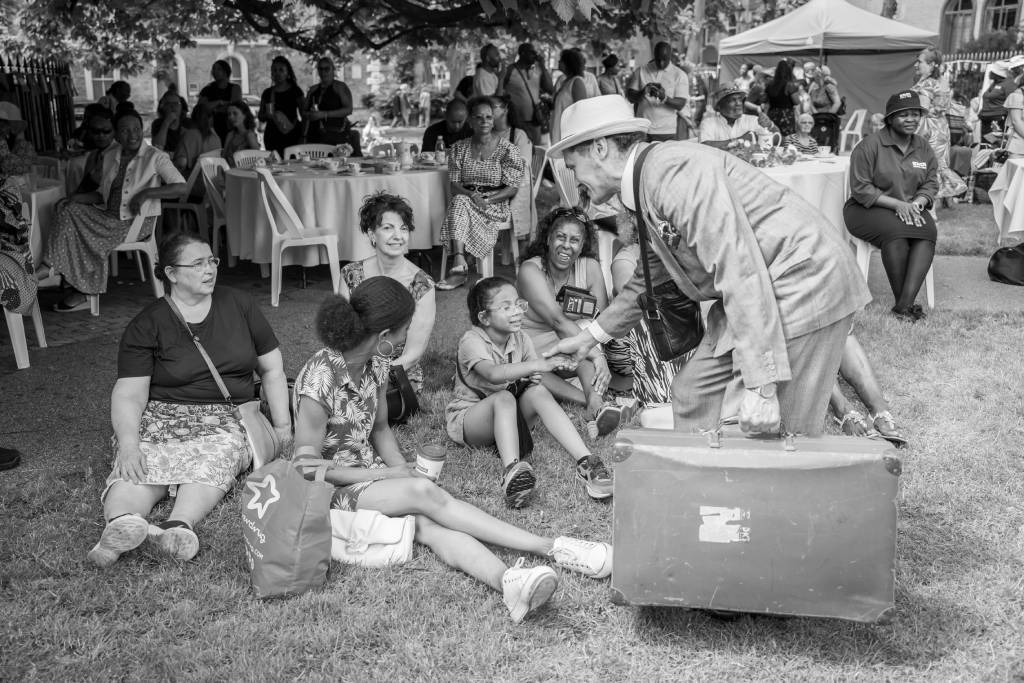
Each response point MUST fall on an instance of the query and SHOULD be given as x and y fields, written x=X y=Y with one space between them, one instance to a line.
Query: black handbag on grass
x=401 y=398
x=673 y=318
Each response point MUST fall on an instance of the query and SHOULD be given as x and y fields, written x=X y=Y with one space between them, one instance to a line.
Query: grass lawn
x=954 y=383
x=967 y=230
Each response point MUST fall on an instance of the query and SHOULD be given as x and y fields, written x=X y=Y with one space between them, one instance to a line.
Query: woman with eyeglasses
x=485 y=171
x=563 y=281
x=173 y=432
x=802 y=139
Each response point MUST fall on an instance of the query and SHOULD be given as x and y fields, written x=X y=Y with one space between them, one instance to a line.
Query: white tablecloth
x=328 y=200
x=1007 y=195
x=825 y=183
x=43 y=198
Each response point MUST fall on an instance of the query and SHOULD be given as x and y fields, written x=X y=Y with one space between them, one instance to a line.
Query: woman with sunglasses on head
x=563 y=282
x=173 y=432
x=281 y=107
x=342 y=417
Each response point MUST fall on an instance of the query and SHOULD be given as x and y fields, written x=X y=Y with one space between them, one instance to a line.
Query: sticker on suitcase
x=722 y=525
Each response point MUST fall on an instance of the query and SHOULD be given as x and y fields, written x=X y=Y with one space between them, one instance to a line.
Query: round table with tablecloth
x=330 y=200
x=1007 y=195
x=824 y=182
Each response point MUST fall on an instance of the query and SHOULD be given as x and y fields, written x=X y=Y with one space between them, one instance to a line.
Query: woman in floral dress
x=936 y=97
x=485 y=171
x=342 y=417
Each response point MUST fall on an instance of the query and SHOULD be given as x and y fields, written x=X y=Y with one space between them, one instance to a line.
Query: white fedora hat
x=596 y=117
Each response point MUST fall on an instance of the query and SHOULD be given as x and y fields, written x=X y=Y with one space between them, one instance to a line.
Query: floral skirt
x=476 y=227
x=82 y=238
x=190 y=444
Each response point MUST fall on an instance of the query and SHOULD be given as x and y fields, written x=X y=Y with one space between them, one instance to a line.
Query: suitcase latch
x=714 y=437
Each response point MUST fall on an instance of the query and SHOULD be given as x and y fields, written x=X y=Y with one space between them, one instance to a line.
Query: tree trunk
x=889 y=8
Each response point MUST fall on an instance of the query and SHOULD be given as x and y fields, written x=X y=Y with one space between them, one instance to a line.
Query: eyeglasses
x=197 y=266
x=509 y=307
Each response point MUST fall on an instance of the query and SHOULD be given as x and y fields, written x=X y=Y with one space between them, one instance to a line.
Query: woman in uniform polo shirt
x=893 y=180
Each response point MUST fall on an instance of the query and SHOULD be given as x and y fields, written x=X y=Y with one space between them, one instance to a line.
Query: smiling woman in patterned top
x=342 y=416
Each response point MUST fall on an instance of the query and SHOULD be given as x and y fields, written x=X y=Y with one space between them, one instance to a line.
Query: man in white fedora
x=782 y=279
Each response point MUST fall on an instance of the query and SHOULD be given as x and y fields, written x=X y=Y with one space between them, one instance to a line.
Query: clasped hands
x=910 y=213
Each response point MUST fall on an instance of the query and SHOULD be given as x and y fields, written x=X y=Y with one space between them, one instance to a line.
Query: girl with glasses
x=498 y=393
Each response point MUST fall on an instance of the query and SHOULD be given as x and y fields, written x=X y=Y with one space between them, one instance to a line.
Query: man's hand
x=135 y=203
x=575 y=347
x=759 y=415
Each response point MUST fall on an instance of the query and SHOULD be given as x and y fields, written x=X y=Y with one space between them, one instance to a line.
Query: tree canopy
x=131 y=33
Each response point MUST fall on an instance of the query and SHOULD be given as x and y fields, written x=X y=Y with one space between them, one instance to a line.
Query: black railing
x=44 y=92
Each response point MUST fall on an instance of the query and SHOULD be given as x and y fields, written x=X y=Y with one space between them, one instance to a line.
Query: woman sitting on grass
x=173 y=432
x=558 y=262
x=497 y=367
x=342 y=416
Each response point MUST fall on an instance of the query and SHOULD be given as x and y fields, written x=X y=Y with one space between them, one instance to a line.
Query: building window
x=957 y=24
x=236 y=72
x=100 y=82
x=1001 y=15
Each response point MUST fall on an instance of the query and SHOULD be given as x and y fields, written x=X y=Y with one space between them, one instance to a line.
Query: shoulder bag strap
x=654 y=242
x=206 y=357
x=458 y=369
x=526 y=84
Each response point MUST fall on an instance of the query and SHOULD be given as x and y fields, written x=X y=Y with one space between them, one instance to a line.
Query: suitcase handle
x=714 y=437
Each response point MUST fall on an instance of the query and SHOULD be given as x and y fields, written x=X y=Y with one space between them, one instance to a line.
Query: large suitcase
x=796 y=526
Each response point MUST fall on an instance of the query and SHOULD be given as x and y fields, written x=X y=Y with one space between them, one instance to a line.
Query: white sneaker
x=586 y=557
x=527 y=589
x=119 y=536
x=180 y=542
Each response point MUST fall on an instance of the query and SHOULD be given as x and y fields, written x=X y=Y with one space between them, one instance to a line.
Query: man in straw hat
x=782 y=278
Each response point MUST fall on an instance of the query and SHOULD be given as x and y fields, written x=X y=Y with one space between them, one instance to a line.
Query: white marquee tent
x=871 y=57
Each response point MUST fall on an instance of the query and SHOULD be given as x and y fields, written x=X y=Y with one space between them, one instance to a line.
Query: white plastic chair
x=16 y=321
x=864 y=251
x=251 y=158
x=196 y=209
x=540 y=159
x=315 y=151
x=565 y=180
x=209 y=167
x=150 y=209
x=487 y=262
x=290 y=232
x=854 y=130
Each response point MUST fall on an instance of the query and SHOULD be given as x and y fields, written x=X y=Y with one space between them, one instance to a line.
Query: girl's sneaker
x=595 y=477
x=524 y=590
x=518 y=484
x=586 y=557
x=121 y=534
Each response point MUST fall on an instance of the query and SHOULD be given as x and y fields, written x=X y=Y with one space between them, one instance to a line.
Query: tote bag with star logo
x=286 y=525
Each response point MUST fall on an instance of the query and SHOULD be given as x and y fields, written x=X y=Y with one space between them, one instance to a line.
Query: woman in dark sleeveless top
x=329 y=104
x=280 y=107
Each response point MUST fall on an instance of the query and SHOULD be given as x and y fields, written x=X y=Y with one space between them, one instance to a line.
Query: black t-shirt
x=440 y=130
x=234 y=333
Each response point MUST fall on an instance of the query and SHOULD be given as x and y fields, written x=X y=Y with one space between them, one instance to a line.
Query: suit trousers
x=708 y=390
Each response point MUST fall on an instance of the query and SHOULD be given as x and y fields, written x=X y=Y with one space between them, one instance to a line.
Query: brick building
x=956 y=21
x=250 y=68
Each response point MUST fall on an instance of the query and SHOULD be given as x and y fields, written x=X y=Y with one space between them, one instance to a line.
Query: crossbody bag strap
x=206 y=357
x=644 y=237
x=656 y=244
x=458 y=369
x=526 y=83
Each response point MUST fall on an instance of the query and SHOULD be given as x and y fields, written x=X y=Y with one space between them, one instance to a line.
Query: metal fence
x=44 y=92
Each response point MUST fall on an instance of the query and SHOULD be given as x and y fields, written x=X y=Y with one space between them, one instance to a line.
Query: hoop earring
x=389 y=354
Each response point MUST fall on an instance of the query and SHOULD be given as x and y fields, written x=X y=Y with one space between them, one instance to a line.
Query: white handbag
x=369 y=539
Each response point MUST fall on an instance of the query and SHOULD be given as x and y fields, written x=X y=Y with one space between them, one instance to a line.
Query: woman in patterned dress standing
x=936 y=97
x=485 y=171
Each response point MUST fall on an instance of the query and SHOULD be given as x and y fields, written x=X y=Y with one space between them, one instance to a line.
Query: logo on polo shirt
x=919 y=164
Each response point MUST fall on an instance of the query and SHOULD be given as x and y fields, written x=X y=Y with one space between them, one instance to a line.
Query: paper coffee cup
x=429 y=461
